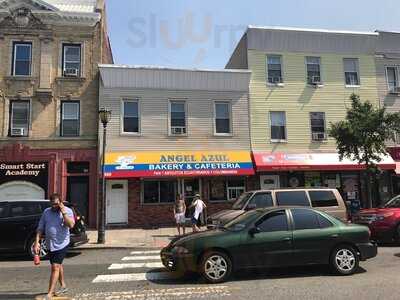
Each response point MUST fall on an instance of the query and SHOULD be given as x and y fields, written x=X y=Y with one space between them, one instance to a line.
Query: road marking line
x=145 y=252
x=136 y=265
x=145 y=257
x=207 y=292
x=134 y=277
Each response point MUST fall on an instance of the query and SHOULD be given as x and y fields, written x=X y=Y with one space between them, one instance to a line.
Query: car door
x=313 y=236
x=271 y=245
x=4 y=227
x=21 y=223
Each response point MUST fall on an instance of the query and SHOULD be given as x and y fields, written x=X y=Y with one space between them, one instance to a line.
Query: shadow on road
x=254 y=274
x=20 y=296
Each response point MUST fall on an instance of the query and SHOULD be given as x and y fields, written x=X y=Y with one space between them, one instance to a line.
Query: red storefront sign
x=312 y=161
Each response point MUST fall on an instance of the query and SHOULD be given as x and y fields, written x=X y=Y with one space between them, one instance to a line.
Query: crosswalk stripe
x=150 y=257
x=145 y=252
x=136 y=265
x=134 y=277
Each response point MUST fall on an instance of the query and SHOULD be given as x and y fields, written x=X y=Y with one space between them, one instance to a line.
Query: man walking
x=54 y=225
x=199 y=206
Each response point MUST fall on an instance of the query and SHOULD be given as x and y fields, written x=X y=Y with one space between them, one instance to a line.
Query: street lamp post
x=105 y=117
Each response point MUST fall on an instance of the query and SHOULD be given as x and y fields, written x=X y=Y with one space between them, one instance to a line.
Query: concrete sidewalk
x=132 y=238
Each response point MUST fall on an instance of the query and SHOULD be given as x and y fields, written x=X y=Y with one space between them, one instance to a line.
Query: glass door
x=189 y=187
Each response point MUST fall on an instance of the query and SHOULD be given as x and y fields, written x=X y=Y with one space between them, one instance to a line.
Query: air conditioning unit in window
x=316 y=81
x=178 y=130
x=71 y=72
x=277 y=81
x=18 y=131
x=318 y=136
x=395 y=90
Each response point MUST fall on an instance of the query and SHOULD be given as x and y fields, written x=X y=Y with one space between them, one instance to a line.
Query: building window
x=159 y=191
x=178 y=117
x=78 y=167
x=223 y=189
x=278 y=125
x=22 y=59
x=222 y=117
x=351 y=71
x=274 y=69
x=71 y=60
x=392 y=78
x=130 y=116
x=70 y=119
x=19 y=118
x=313 y=70
x=317 y=120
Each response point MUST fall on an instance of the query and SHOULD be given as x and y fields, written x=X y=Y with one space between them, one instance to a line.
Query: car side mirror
x=251 y=206
x=254 y=231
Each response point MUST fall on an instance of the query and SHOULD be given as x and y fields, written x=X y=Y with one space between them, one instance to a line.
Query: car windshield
x=241 y=201
x=241 y=221
x=394 y=203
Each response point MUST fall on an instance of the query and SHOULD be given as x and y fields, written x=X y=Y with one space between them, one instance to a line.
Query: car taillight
x=369 y=233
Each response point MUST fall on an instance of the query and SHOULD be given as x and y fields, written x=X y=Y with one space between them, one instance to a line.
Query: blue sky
x=203 y=33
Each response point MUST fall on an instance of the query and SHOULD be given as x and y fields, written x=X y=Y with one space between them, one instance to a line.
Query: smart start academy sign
x=160 y=164
x=36 y=172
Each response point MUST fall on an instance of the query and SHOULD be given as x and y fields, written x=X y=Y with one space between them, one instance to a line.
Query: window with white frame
x=70 y=118
x=19 y=118
x=351 y=71
x=22 y=59
x=317 y=120
x=177 y=117
x=222 y=117
x=72 y=60
x=159 y=191
x=313 y=65
x=392 y=74
x=223 y=189
x=274 y=69
x=278 y=125
x=130 y=112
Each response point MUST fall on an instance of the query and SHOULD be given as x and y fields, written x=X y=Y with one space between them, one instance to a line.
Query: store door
x=78 y=194
x=117 y=202
x=190 y=187
x=268 y=182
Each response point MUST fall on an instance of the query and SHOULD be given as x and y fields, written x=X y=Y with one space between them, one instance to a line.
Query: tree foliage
x=362 y=136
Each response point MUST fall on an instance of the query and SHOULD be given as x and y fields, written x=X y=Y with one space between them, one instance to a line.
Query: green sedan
x=275 y=237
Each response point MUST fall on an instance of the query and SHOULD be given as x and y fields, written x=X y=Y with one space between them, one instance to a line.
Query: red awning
x=312 y=161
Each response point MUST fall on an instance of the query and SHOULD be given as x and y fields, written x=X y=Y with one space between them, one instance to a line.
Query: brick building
x=49 y=99
x=173 y=131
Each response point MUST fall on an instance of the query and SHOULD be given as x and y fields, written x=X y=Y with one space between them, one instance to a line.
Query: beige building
x=49 y=51
x=173 y=132
x=387 y=60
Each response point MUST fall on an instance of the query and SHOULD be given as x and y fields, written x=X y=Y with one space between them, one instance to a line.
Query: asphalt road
x=138 y=276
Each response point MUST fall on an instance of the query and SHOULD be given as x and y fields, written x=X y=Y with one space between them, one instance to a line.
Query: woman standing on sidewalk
x=179 y=213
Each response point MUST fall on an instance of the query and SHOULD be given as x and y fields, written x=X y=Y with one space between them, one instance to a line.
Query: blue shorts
x=194 y=221
x=57 y=257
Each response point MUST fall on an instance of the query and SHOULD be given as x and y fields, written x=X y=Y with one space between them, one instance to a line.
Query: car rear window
x=296 y=198
x=20 y=209
x=323 y=198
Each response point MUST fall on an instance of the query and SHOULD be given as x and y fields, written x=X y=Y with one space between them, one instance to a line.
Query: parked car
x=384 y=221
x=272 y=237
x=18 y=223
x=324 y=199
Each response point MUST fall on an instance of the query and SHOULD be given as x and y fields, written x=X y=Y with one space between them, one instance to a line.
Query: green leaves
x=363 y=133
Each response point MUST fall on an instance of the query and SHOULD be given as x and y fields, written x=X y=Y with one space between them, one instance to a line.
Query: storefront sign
x=159 y=164
x=22 y=169
x=312 y=161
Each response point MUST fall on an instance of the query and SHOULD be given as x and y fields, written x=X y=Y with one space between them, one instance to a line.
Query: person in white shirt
x=199 y=206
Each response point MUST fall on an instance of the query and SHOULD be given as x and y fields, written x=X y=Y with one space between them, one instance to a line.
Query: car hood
x=226 y=215
x=198 y=235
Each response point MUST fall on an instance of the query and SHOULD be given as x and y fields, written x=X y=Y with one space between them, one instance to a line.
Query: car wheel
x=43 y=248
x=216 y=267
x=344 y=260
